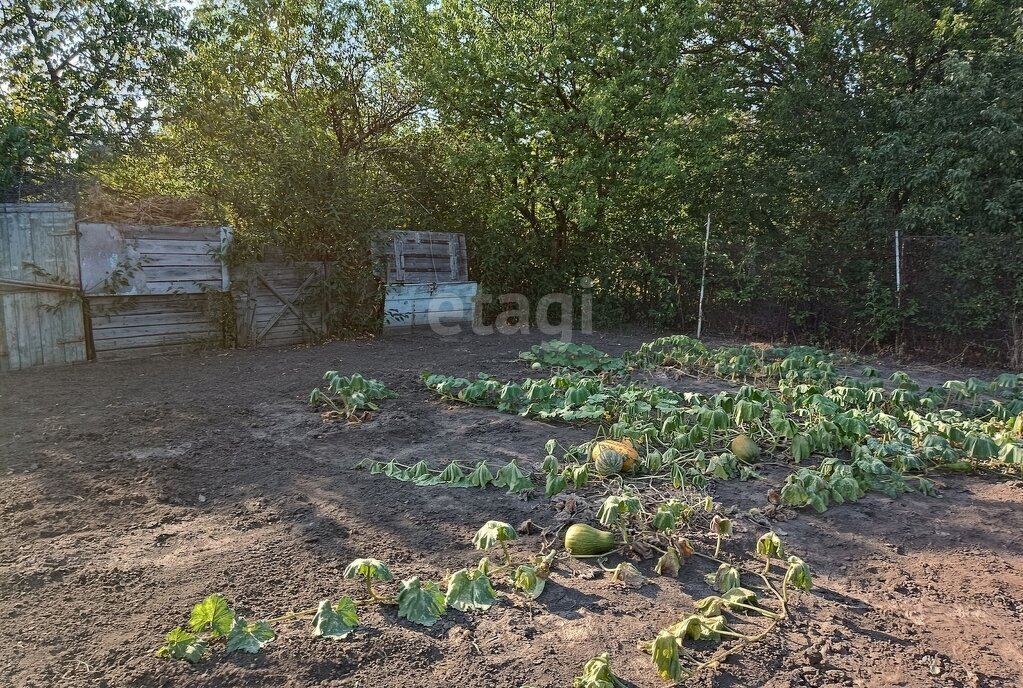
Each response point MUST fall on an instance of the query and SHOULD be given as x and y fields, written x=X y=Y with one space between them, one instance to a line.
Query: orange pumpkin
x=623 y=448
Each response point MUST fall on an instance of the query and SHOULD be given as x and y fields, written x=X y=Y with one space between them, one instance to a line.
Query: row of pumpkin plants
x=214 y=623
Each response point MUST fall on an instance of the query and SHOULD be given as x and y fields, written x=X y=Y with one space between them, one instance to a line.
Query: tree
x=79 y=76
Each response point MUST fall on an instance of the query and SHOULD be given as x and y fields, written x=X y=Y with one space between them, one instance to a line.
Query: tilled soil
x=131 y=490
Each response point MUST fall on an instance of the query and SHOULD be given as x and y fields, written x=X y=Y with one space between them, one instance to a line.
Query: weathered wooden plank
x=35 y=208
x=184 y=287
x=156 y=247
x=443 y=318
x=104 y=322
x=148 y=350
x=9 y=355
x=415 y=291
x=462 y=271
x=200 y=329
x=103 y=306
x=439 y=264
x=180 y=260
x=28 y=320
x=170 y=233
x=192 y=273
x=153 y=340
x=42 y=324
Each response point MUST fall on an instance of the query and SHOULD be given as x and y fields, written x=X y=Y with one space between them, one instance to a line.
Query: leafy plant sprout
x=495 y=533
x=721 y=528
x=368 y=570
x=769 y=546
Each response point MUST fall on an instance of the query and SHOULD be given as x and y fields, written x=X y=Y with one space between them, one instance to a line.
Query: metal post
x=703 y=279
x=898 y=264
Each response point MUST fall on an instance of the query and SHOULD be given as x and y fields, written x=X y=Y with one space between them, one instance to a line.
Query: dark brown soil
x=129 y=491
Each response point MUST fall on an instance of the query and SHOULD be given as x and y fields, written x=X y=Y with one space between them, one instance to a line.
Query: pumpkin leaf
x=528 y=580
x=180 y=644
x=249 y=637
x=214 y=615
x=421 y=603
x=597 y=674
x=470 y=590
x=368 y=568
x=664 y=651
x=493 y=532
x=335 y=622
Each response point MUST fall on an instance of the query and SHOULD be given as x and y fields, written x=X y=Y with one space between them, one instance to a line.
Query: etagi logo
x=553 y=314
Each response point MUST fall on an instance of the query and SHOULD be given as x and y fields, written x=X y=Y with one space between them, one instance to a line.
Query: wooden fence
x=154 y=290
x=276 y=303
x=109 y=291
x=427 y=280
x=41 y=318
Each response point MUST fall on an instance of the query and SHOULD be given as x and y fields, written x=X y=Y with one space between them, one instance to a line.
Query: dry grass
x=98 y=203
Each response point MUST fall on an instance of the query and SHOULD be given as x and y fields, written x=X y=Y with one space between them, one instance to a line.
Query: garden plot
x=738 y=516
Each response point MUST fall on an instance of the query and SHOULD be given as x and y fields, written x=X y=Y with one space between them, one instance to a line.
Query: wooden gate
x=276 y=303
x=41 y=321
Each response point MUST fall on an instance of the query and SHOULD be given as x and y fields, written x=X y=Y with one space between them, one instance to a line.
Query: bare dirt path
x=131 y=490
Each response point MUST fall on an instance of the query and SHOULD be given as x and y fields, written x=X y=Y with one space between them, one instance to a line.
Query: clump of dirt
x=131 y=490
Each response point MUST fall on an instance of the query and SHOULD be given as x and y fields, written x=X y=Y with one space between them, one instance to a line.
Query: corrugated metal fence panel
x=423 y=257
x=136 y=326
x=41 y=319
x=276 y=303
x=132 y=260
x=417 y=305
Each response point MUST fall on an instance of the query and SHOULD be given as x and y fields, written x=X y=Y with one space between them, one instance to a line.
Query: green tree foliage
x=596 y=135
x=78 y=78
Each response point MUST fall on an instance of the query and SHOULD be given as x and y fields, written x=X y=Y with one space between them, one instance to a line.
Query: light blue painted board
x=415 y=291
x=414 y=305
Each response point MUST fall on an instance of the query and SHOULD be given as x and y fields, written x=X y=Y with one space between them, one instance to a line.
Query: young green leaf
x=470 y=590
x=181 y=644
x=249 y=637
x=769 y=545
x=580 y=475
x=616 y=506
x=368 y=568
x=451 y=475
x=335 y=621
x=798 y=575
x=699 y=627
x=664 y=651
x=421 y=603
x=597 y=674
x=556 y=484
x=212 y=614
x=480 y=476
x=528 y=581
x=724 y=579
x=664 y=520
x=493 y=532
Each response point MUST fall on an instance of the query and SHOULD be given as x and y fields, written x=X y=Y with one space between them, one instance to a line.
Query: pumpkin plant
x=769 y=546
x=347 y=395
x=720 y=528
x=470 y=589
x=369 y=570
x=495 y=533
x=419 y=602
x=597 y=674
